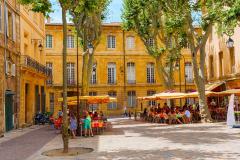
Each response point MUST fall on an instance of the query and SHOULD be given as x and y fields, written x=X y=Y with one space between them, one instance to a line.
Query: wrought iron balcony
x=36 y=66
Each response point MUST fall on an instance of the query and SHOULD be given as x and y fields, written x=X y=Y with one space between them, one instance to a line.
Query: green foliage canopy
x=41 y=6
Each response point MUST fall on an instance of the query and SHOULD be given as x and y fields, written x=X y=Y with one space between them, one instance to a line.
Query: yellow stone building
x=9 y=64
x=223 y=62
x=122 y=69
x=33 y=72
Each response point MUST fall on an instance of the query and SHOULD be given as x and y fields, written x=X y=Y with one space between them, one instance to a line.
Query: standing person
x=187 y=115
x=87 y=125
x=73 y=124
x=125 y=111
x=129 y=114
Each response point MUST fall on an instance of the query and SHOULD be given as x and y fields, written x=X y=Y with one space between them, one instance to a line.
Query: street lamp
x=39 y=41
x=90 y=48
x=230 y=42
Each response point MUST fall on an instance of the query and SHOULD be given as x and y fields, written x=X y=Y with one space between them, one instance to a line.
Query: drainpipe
x=5 y=59
x=124 y=70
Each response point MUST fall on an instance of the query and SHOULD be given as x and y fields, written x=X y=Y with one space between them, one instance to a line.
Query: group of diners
x=171 y=115
x=90 y=122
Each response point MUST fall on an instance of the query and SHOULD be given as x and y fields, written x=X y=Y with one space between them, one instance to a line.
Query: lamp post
x=78 y=110
x=230 y=42
x=180 y=79
x=178 y=66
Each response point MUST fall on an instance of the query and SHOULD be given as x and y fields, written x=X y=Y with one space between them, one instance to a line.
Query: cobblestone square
x=135 y=140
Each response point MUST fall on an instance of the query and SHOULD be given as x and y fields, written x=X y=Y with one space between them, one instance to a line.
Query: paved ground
x=130 y=140
x=20 y=144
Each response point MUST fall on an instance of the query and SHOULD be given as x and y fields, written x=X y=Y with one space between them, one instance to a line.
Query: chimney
x=49 y=20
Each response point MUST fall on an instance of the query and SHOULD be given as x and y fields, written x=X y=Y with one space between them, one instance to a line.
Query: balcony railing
x=35 y=65
x=151 y=81
x=131 y=81
x=93 y=81
x=71 y=82
x=189 y=80
x=112 y=82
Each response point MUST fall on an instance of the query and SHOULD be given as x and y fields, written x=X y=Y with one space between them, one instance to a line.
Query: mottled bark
x=167 y=77
x=86 y=73
x=199 y=69
x=65 y=135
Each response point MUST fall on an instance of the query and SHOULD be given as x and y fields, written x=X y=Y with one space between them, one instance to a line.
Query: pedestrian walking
x=125 y=112
x=73 y=125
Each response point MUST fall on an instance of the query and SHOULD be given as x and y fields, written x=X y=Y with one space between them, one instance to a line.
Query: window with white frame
x=70 y=41
x=150 y=93
x=94 y=74
x=13 y=26
x=49 y=41
x=131 y=99
x=70 y=73
x=150 y=73
x=111 y=41
x=188 y=72
x=112 y=105
x=92 y=93
x=131 y=77
x=168 y=42
x=93 y=107
x=51 y=100
x=130 y=42
x=150 y=42
x=49 y=65
x=190 y=101
x=111 y=73
x=1 y=18
x=9 y=22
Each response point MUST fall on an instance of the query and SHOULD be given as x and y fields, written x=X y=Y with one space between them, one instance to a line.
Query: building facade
x=9 y=64
x=33 y=70
x=122 y=69
x=223 y=63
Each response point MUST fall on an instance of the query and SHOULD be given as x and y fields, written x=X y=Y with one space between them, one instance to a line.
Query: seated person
x=102 y=116
x=172 y=116
x=163 y=116
x=179 y=116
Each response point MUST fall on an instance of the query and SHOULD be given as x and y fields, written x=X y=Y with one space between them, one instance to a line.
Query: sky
x=114 y=12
